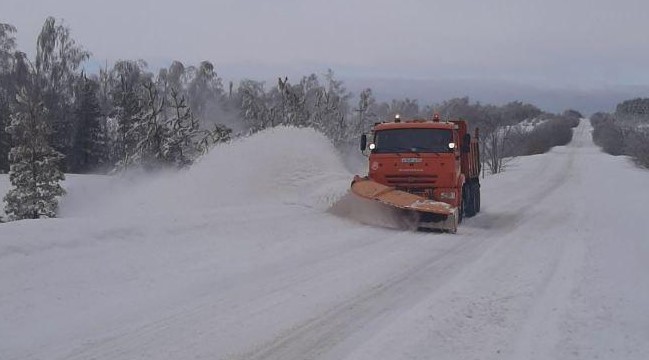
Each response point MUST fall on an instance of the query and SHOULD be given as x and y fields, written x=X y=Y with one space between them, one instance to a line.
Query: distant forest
x=127 y=116
x=626 y=131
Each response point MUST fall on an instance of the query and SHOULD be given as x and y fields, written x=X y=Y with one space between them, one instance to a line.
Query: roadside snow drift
x=279 y=165
x=243 y=257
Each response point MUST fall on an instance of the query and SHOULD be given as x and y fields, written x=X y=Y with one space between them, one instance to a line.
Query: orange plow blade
x=433 y=214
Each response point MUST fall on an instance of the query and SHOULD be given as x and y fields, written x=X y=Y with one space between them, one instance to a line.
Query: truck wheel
x=469 y=201
x=460 y=212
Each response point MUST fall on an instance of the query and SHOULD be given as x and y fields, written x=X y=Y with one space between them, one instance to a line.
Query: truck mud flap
x=438 y=222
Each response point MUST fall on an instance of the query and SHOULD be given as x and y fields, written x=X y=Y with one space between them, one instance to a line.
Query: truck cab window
x=413 y=140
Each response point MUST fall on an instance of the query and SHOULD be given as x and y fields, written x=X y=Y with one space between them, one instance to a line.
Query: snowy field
x=258 y=253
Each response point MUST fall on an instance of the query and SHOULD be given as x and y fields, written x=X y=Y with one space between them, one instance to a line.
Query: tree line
x=625 y=131
x=55 y=118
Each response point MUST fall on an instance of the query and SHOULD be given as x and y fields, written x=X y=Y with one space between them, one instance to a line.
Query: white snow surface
x=258 y=252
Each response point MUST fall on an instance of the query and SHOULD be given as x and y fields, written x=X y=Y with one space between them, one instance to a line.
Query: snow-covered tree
x=219 y=133
x=634 y=111
x=292 y=106
x=332 y=110
x=256 y=106
x=310 y=103
x=166 y=130
x=34 y=172
x=57 y=65
x=367 y=112
x=204 y=90
x=128 y=77
x=7 y=88
x=407 y=108
x=180 y=147
x=149 y=130
x=176 y=77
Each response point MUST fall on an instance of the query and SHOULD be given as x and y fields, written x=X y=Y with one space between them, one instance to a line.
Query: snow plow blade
x=432 y=214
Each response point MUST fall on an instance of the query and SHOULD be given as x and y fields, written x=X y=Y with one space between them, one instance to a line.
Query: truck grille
x=411 y=180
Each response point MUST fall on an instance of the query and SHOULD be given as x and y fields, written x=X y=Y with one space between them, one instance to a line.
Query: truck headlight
x=447 y=195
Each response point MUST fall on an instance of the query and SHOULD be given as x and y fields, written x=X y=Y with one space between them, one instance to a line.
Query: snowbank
x=284 y=164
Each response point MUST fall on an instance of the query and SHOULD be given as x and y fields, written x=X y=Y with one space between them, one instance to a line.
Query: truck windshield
x=412 y=140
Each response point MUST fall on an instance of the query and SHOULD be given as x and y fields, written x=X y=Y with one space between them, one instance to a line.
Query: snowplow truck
x=429 y=167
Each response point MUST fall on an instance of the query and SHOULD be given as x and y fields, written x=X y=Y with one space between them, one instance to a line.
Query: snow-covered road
x=234 y=262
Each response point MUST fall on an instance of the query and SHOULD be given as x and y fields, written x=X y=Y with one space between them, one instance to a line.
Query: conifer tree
x=90 y=142
x=34 y=171
x=7 y=88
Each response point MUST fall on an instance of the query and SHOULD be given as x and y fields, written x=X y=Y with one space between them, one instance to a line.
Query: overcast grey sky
x=579 y=43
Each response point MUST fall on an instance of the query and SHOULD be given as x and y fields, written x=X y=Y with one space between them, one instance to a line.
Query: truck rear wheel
x=460 y=212
x=469 y=200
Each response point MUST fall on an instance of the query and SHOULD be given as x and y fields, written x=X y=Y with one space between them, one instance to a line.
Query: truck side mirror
x=466 y=143
x=363 y=142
